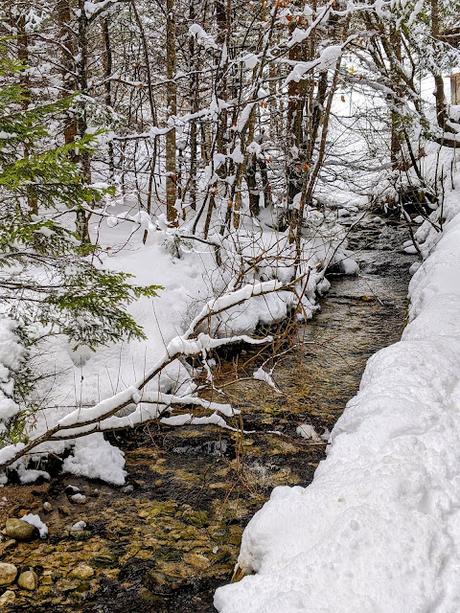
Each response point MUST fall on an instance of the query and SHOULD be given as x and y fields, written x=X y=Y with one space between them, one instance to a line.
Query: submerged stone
x=82 y=571
x=8 y=573
x=7 y=598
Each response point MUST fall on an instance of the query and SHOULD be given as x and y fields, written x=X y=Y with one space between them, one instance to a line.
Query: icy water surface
x=172 y=536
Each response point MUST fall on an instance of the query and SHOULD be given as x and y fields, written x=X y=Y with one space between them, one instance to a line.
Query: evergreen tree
x=49 y=282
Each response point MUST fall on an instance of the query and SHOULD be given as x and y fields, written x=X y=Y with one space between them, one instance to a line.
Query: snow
x=203 y=38
x=326 y=60
x=250 y=61
x=91 y=8
x=78 y=526
x=189 y=420
x=96 y=458
x=34 y=520
x=308 y=432
x=101 y=409
x=378 y=529
x=8 y=452
x=263 y=375
x=28 y=475
x=78 y=498
x=11 y=354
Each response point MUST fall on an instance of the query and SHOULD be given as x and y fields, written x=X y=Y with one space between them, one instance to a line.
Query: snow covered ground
x=378 y=530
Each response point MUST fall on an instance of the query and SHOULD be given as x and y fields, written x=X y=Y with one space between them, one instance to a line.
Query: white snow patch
x=308 y=432
x=96 y=458
x=78 y=526
x=34 y=520
x=262 y=375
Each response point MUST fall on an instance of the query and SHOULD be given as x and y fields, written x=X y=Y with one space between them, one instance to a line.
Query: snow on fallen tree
x=378 y=529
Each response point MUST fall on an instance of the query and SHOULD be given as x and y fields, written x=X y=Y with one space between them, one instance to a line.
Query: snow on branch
x=145 y=405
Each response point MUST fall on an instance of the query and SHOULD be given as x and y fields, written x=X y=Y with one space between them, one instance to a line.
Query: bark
x=152 y=106
x=298 y=95
x=441 y=107
x=24 y=79
x=222 y=17
x=68 y=52
x=171 y=101
x=194 y=97
x=82 y=218
x=396 y=111
x=108 y=63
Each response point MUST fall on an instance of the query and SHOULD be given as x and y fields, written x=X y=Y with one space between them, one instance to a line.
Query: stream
x=165 y=541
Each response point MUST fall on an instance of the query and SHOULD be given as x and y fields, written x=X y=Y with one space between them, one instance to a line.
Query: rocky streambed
x=167 y=539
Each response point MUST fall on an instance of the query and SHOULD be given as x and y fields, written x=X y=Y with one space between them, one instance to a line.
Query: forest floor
x=167 y=539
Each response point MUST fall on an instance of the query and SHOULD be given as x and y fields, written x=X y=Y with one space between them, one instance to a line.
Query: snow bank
x=378 y=530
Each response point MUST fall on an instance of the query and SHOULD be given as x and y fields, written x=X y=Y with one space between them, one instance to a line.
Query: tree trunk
x=171 y=100
x=395 y=113
x=194 y=97
x=24 y=79
x=108 y=61
x=67 y=40
x=441 y=107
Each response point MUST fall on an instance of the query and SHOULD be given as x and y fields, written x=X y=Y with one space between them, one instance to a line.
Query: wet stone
x=20 y=530
x=7 y=546
x=28 y=580
x=78 y=498
x=7 y=597
x=83 y=572
x=8 y=573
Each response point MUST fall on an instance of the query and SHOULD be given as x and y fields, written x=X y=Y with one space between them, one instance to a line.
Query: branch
x=101 y=417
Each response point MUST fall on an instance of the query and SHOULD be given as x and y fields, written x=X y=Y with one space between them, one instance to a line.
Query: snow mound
x=96 y=458
x=378 y=530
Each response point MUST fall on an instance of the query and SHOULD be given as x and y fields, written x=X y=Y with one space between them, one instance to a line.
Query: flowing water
x=165 y=542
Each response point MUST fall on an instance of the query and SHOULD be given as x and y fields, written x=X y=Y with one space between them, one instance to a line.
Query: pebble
x=78 y=498
x=72 y=489
x=8 y=573
x=127 y=489
x=48 y=507
x=82 y=571
x=28 y=580
x=6 y=545
x=20 y=530
x=7 y=598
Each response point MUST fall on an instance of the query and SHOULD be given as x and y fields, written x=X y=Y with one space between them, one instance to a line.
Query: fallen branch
x=102 y=416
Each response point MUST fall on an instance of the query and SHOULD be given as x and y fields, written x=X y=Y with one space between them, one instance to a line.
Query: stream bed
x=165 y=541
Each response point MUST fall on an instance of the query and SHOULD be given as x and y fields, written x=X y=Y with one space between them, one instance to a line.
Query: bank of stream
x=165 y=541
